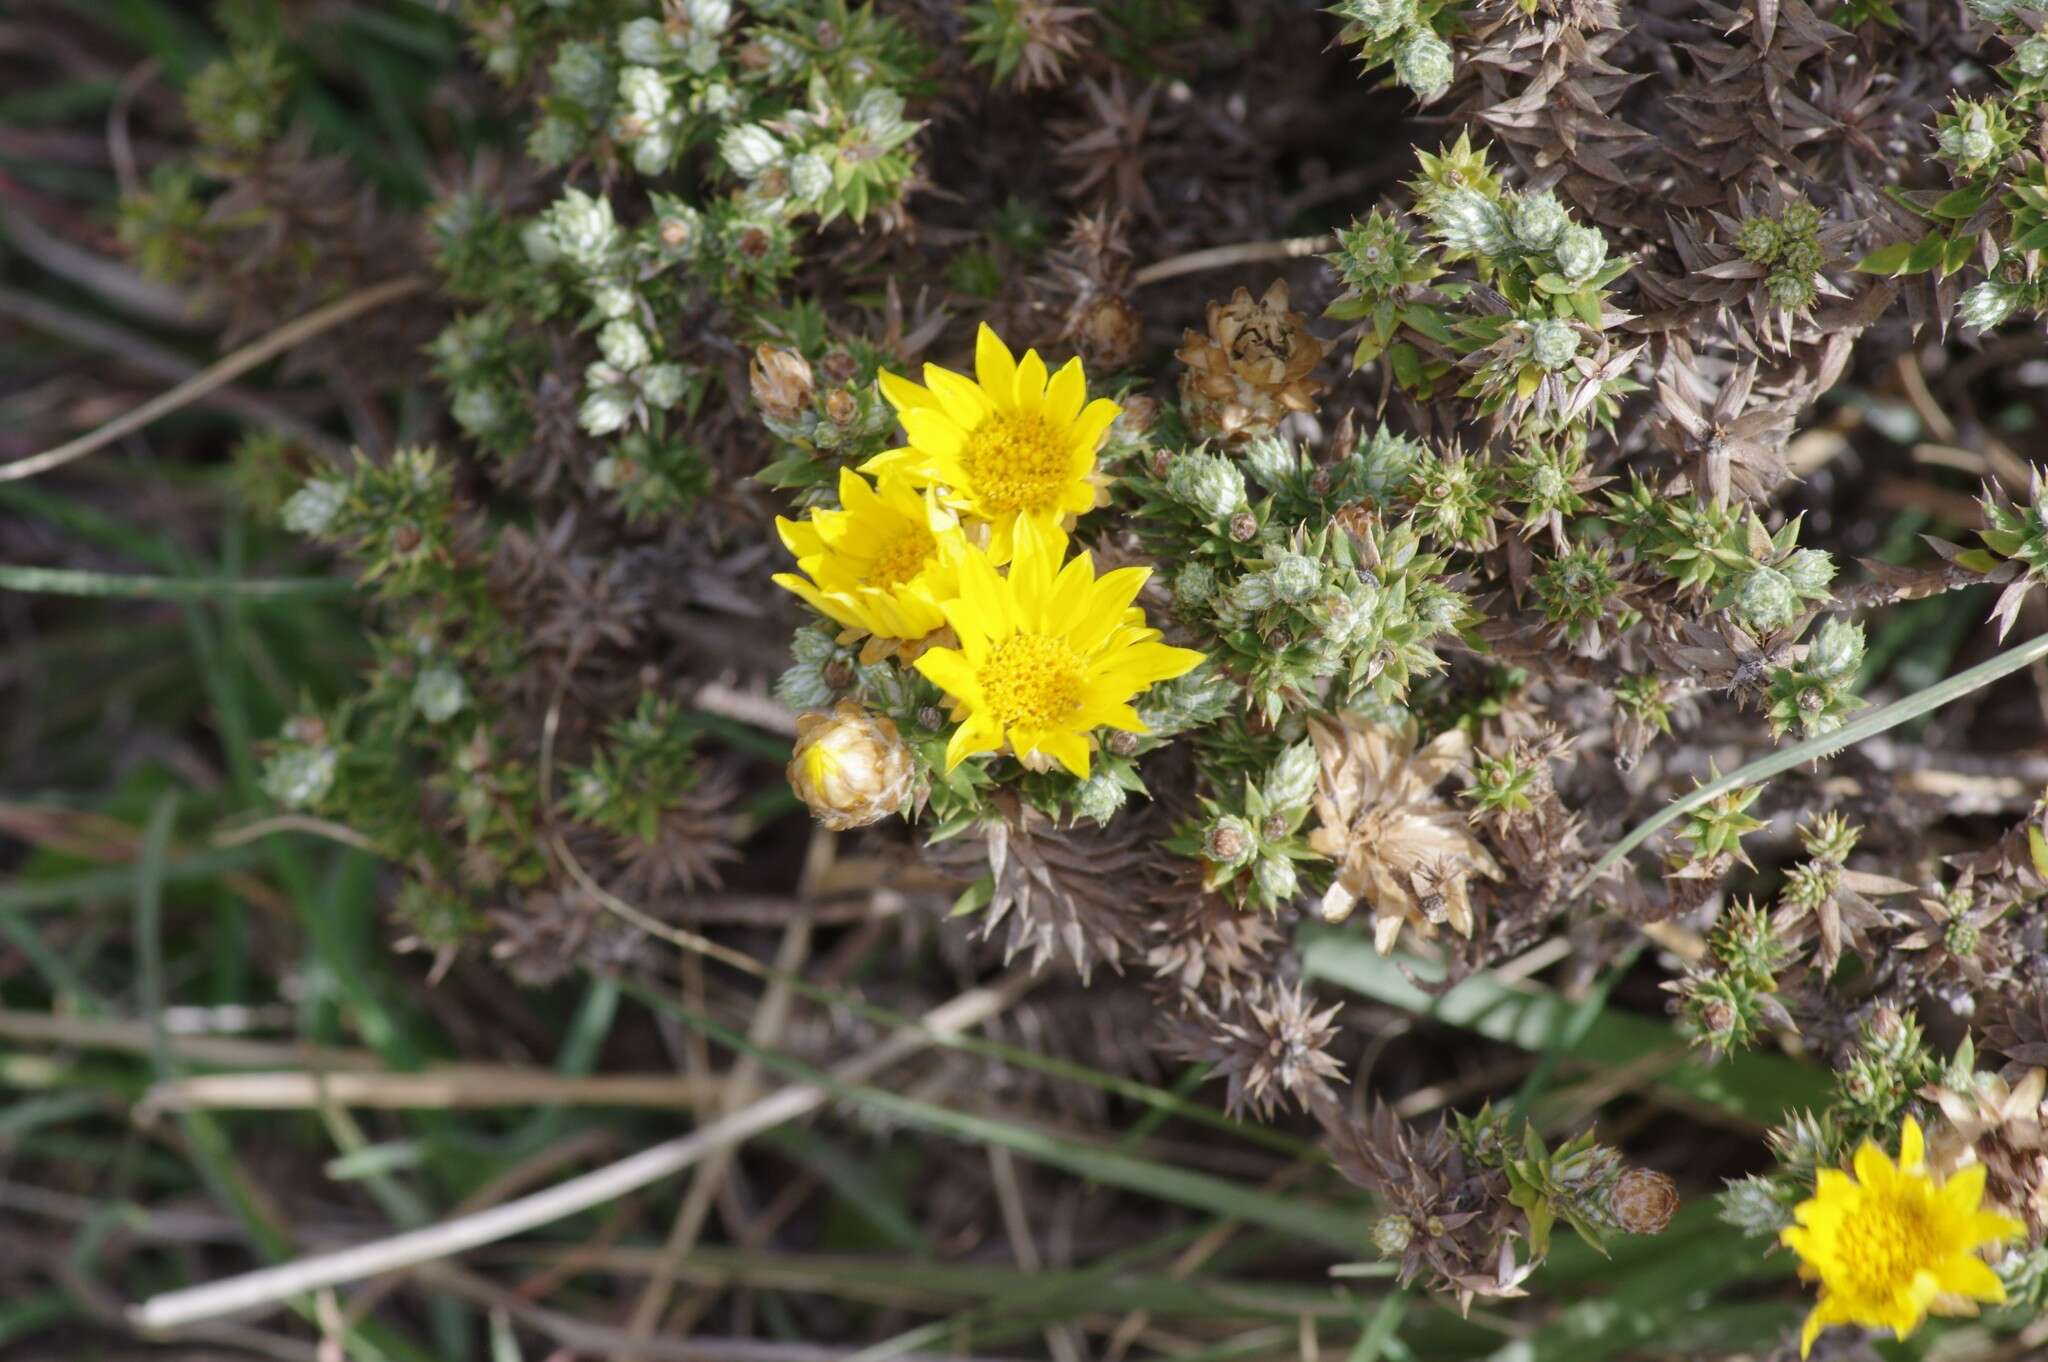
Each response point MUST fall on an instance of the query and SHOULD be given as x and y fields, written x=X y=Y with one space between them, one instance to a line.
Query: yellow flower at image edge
x=1891 y=1245
x=1008 y=444
x=880 y=564
x=1046 y=655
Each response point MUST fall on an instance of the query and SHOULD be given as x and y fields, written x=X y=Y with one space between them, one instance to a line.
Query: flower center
x=1883 y=1246
x=1032 y=679
x=1017 y=462
x=903 y=557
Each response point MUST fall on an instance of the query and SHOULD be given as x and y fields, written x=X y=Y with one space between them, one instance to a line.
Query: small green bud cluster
x=1812 y=695
x=1788 y=245
x=1730 y=998
x=1402 y=32
x=1250 y=847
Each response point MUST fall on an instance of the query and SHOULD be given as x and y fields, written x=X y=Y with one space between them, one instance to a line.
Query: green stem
x=75 y=582
x=1813 y=749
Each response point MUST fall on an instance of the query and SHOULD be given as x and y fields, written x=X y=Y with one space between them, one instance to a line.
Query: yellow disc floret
x=1891 y=1245
x=1047 y=654
x=880 y=564
x=1010 y=443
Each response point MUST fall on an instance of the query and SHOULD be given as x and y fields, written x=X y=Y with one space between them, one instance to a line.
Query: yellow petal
x=979 y=734
x=1873 y=1169
x=950 y=671
x=933 y=432
x=1030 y=385
x=995 y=367
x=966 y=403
x=1970 y=1276
x=1065 y=394
x=1093 y=422
x=1912 y=1147
x=1068 y=749
x=902 y=394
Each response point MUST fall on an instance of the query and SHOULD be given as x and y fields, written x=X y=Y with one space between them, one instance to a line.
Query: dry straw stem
x=270 y=1285
x=2016 y=658
x=298 y=1090
x=218 y=375
x=1241 y=253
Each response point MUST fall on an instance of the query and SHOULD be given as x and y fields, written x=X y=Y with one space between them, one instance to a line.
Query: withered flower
x=1397 y=843
x=2004 y=1127
x=1251 y=368
x=1270 y=1045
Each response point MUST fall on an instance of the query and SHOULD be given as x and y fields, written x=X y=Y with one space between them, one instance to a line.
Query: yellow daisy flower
x=1008 y=444
x=1046 y=654
x=1891 y=1245
x=880 y=564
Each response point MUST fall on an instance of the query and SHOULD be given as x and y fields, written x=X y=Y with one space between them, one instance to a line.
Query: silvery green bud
x=538 y=240
x=663 y=385
x=300 y=776
x=582 y=75
x=554 y=141
x=709 y=16
x=1537 y=220
x=1987 y=305
x=611 y=299
x=606 y=475
x=1968 y=140
x=1229 y=841
x=1209 y=483
x=1809 y=571
x=1466 y=220
x=810 y=177
x=783 y=57
x=1791 y=289
x=1553 y=343
x=1391 y=1235
x=1296 y=577
x=1378 y=20
x=312 y=508
x=653 y=151
x=644 y=41
x=1998 y=10
x=750 y=150
x=582 y=229
x=1194 y=584
x=1270 y=458
x=1276 y=878
x=1099 y=798
x=1424 y=63
x=1767 y=600
x=624 y=346
x=2031 y=56
x=1388 y=459
x=605 y=409
x=478 y=410
x=701 y=56
x=880 y=115
x=1580 y=253
x=438 y=694
x=1254 y=593
x=1837 y=650
x=645 y=94
x=1291 y=783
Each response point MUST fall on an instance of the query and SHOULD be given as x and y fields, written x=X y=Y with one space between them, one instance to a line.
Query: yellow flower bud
x=850 y=766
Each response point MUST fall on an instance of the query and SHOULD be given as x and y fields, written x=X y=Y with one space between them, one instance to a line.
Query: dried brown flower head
x=1251 y=368
x=2004 y=1127
x=1397 y=843
x=1269 y=1044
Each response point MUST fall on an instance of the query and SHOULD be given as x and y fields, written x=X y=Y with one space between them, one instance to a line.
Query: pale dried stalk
x=268 y=1286
x=430 y=1091
x=217 y=375
x=1241 y=253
